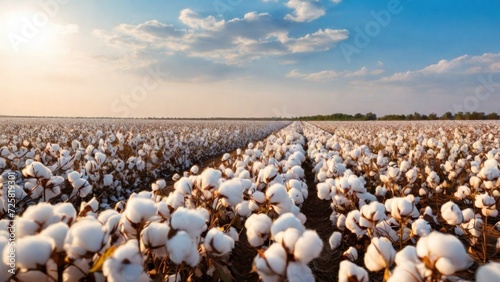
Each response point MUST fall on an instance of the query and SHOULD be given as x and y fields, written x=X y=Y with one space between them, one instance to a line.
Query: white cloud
x=331 y=74
x=234 y=42
x=193 y=20
x=304 y=10
x=336 y=1
x=463 y=65
x=320 y=40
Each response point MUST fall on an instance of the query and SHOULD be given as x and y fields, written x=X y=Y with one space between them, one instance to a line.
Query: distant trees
x=414 y=116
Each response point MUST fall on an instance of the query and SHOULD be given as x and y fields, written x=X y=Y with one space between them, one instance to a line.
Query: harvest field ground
x=142 y=200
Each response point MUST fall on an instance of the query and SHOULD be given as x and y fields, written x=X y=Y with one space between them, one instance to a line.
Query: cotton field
x=137 y=200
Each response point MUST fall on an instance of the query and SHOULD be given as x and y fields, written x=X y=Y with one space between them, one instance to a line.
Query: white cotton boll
x=352 y=222
x=298 y=272
x=402 y=208
x=407 y=272
x=84 y=238
x=161 y=184
x=351 y=254
x=56 y=234
x=407 y=254
x=181 y=248
x=462 y=192
x=42 y=214
x=272 y=262
x=66 y=212
x=175 y=199
x=488 y=272
x=107 y=180
x=184 y=186
x=299 y=171
x=379 y=254
x=139 y=210
x=468 y=214
x=194 y=169
x=371 y=214
x=489 y=173
x=421 y=227
x=341 y=222
x=302 y=217
x=218 y=243
x=323 y=191
x=380 y=191
x=100 y=158
x=154 y=238
x=384 y=229
x=335 y=240
x=258 y=228
x=37 y=170
x=276 y=194
x=288 y=239
x=126 y=264
x=26 y=227
x=308 y=246
x=31 y=252
x=188 y=220
x=444 y=251
x=321 y=176
x=285 y=221
x=404 y=166
x=243 y=209
x=487 y=204
x=258 y=197
x=209 y=179
x=269 y=173
x=296 y=196
x=233 y=233
x=356 y=184
x=451 y=213
x=232 y=192
x=348 y=271
x=110 y=219
x=475 y=182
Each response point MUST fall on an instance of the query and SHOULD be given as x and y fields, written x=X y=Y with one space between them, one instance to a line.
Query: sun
x=30 y=32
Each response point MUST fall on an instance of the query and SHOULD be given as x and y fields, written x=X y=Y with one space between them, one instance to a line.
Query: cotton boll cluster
x=390 y=187
x=405 y=171
x=292 y=249
x=101 y=158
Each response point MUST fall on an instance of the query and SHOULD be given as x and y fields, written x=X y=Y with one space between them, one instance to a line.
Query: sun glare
x=30 y=32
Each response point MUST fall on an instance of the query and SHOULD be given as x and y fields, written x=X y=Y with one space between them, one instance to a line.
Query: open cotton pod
x=258 y=228
x=271 y=264
x=350 y=272
x=443 y=252
x=488 y=272
x=379 y=254
x=218 y=243
x=126 y=264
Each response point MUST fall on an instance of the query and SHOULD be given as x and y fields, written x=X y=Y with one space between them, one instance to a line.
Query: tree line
x=414 y=116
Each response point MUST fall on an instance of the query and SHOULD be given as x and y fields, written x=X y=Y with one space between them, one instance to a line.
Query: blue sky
x=237 y=58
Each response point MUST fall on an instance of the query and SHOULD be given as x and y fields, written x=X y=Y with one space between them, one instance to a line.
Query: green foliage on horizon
x=414 y=116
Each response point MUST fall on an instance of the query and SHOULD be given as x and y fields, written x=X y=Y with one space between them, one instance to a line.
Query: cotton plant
x=442 y=254
x=293 y=248
x=125 y=264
